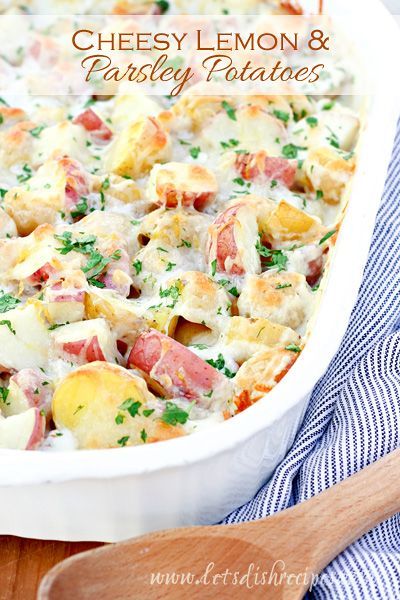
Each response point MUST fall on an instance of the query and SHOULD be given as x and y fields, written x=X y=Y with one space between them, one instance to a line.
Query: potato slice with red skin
x=28 y=388
x=94 y=125
x=76 y=182
x=90 y=403
x=232 y=241
x=174 y=367
x=182 y=184
x=85 y=341
x=65 y=300
x=253 y=166
x=24 y=431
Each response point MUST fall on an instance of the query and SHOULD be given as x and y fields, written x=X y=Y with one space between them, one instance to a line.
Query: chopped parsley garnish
x=298 y=116
x=231 y=143
x=230 y=111
x=36 y=131
x=194 y=151
x=274 y=183
x=131 y=406
x=137 y=265
x=3 y=192
x=148 y=411
x=328 y=105
x=173 y=415
x=333 y=139
x=327 y=236
x=282 y=116
x=163 y=5
x=170 y=266
x=234 y=291
x=239 y=181
x=25 y=175
x=4 y=394
x=219 y=364
x=123 y=441
x=8 y=324
x=84 y=245
x=7 y=302
x=78 y=408
x=172 y=292
x=200 y=346
x=312 y=121
x=184 y=143
x=282 y=286
x=80 y=209
x=185 y=243
x=119 y=419
x=213 y=267
x=293 y=348
x=143 y=436
x=276 y=258
x=89 y=102
x=319 y=194
x=2 y=101
x=291 y=150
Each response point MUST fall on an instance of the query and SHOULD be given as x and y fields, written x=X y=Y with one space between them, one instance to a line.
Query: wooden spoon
x=291 y=547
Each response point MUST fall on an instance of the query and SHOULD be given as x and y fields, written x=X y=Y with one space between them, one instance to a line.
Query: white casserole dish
x=110 y=495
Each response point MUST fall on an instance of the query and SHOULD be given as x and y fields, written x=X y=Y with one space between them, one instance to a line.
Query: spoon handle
x=331 y=521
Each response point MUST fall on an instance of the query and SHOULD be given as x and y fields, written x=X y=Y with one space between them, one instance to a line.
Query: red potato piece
x=183 y=184
x=179 y=371
x=24 y=431
x=94 y=125
x=77 y=182
x=230 y=241
x=88 y=350
x=59 y=294
x=42 y=275
x=117 y=277
x=28 y=388
x=314 y=273
x=252 y=166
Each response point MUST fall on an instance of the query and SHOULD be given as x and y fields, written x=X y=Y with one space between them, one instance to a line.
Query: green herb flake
x=131 y=406
x=194 y=151
x=4 y=395
x=8 y=324
x=230 y=111
x=173 y=415
x=327 y=236
x=283 y=286
x=143 y=436
x=36 y=131
x=123 y=441
x=7 y=302
x=281 y=115
x=213 y=267
x=293 y=348
x=148 y=411
x=291 y=150
x=138 y=266
x=163 y=5
x=312 y=121
x=119 y=419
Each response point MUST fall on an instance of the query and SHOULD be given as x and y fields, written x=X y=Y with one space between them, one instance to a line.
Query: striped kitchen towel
x=353 y=418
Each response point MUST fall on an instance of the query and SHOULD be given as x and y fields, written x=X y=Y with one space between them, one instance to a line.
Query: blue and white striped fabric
x=354 y=418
